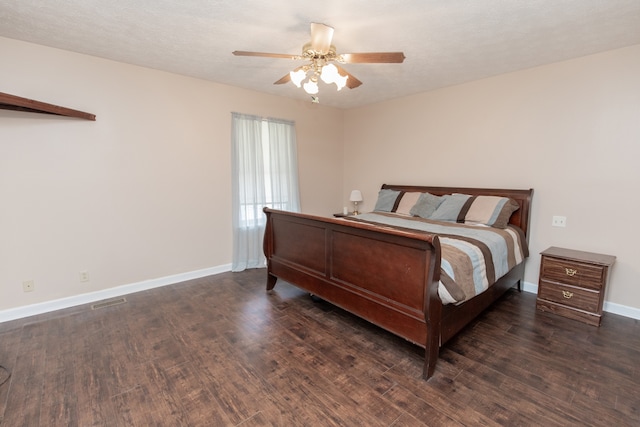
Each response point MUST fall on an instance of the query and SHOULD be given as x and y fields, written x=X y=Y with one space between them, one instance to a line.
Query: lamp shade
x=356 y=196
x=341 y=81
x=297 y=77
x=310 y=87
x=329 y=74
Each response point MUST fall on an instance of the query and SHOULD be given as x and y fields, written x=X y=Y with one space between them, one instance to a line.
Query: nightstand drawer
x=572 y=273
x=569 y=296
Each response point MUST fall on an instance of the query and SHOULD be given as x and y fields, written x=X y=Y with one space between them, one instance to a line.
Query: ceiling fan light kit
x=321 y=55
x=328 y=73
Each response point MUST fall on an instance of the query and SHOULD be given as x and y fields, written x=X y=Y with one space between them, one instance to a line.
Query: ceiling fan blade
x=285 y=79
x=268 y=55
x=321 y=36
x=352 y=82
x=373 y=57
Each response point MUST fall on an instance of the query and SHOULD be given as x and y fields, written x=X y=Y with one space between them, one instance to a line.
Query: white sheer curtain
x=265 y=173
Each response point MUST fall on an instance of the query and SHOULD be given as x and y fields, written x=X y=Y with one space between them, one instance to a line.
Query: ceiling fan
x=322 y=56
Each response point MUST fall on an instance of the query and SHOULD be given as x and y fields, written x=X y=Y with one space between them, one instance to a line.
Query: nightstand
x=342 y=215
x=572 y=283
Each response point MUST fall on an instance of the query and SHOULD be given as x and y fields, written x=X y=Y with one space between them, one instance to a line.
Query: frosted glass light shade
x=311 y=87
x=297 y=77
x=341 y=81
x=329 y=74
x=356 y=196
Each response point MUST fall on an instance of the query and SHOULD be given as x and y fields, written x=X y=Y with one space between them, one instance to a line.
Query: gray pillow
x=386 y=200
x=450 y=207
x=426 y=205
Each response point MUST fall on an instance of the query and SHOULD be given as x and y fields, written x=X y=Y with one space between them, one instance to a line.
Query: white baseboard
x=622 y=310
x=530 y=287
x=45 y=307
x=609 y=307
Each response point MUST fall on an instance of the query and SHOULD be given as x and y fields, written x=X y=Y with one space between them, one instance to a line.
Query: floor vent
x=108 y=303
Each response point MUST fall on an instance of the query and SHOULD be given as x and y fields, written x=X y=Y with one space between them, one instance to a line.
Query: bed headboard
x=519 y=218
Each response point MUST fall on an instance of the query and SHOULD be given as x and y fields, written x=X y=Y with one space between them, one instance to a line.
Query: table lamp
x=356 y=196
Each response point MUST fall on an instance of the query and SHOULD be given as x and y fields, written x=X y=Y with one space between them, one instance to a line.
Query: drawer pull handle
x=570 y=271
x=567 y=294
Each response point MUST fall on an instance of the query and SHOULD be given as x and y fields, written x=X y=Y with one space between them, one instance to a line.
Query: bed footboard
x=386 y=276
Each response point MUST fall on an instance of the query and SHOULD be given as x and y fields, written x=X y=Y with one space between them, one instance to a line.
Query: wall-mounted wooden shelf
x=16 y=103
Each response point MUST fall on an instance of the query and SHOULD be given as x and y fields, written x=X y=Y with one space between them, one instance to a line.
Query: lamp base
x=355 y=209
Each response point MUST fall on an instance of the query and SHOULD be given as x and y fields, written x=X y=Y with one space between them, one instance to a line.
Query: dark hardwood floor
x=221 y=351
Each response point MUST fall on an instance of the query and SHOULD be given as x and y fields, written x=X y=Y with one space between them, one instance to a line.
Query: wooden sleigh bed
x=388 y=276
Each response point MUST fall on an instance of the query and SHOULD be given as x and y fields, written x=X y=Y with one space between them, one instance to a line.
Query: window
x=265 y=173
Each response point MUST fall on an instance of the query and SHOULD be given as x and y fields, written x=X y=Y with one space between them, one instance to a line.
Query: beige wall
x=570 y=131
x=143 y=192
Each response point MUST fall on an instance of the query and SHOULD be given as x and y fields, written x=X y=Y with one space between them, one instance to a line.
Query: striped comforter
x=473 y=257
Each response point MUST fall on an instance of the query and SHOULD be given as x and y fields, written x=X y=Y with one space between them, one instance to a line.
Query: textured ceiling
x=445 y=42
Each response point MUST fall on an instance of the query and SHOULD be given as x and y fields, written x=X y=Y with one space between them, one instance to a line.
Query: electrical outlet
x=559 y=221
x=84 y=276
x=28 y=286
